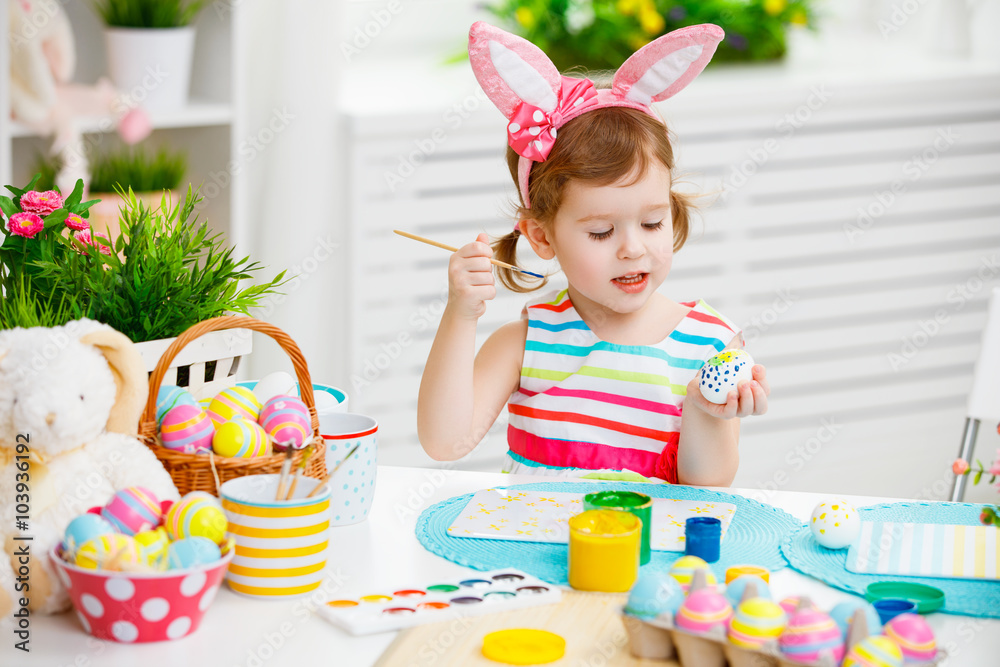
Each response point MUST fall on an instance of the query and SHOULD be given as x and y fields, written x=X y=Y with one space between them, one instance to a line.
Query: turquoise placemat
x=754 y=536
x=962 y=596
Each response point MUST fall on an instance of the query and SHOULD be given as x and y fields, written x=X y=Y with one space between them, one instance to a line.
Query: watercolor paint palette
x=543 y=516
x=483 y=593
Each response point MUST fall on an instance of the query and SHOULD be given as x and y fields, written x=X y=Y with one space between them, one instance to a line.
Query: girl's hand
x=749 y=398
x=470 y=279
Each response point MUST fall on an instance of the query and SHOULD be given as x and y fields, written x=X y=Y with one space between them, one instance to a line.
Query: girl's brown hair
x=599 y=147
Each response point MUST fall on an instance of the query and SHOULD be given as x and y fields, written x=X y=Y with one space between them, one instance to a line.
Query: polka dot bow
x=532 y=131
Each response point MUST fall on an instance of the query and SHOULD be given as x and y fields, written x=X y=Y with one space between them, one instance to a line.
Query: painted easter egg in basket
x=835 y=524
x=723 y=372
x=684 y=567
x=154 y=544
x=286 y=419
x=82 y=529
x=169 y=397
x=914 y=636
x=235 y=402
x=114 y=551
x=132 y=510
x=196 y=515
x=875 y=651
x=810 y=633
x=241 y=438
x=703 y=611
x=191 y=551
x=187 y=429
x=756 y=622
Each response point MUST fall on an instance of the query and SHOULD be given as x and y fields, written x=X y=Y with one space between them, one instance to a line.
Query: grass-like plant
x=24 y=306
x=164 y=273
x=125 y=167
x=136 y=168
x=148 y=13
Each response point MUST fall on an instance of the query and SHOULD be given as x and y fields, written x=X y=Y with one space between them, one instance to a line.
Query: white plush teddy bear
x=73 y=394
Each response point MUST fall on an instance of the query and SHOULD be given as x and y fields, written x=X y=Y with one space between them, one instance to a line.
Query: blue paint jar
x=703 y=538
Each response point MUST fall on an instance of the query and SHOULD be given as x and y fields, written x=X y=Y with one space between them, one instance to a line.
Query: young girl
x=601 y=376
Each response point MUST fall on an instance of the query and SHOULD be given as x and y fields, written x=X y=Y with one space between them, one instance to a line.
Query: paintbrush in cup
x=330 y=475
x=299 y=469
x=286 y=467
x=495 y=262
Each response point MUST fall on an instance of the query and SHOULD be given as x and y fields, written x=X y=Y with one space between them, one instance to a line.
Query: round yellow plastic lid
x=523 y=646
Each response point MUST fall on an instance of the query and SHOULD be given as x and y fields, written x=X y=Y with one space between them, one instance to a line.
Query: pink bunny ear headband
x=529 y=91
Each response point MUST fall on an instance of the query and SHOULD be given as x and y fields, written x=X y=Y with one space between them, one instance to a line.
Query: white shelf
x=195 y=114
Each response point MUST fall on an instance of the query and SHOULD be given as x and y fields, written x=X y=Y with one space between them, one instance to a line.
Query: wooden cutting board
x=589 y=622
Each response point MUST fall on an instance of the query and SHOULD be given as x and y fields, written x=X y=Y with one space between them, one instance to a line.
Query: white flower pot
x=151 y=66
x=206 y=365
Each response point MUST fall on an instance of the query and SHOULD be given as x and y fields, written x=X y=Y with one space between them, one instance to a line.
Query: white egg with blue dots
x=723 y=372
x=353 y=487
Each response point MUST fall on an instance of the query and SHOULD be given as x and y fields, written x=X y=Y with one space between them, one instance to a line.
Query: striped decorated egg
x=196 y=515
x=132 y=510
x=286 y=418
x=169 y=397
x=114 y=551
x=756 y=622
x=684 y=567
x=241 y=438
x=187 y=429
x=809 y=633
x=875 y=651
x=791 y=604
x=914 y=636
x=233 y=402
x=154 y=545
x=703 y=611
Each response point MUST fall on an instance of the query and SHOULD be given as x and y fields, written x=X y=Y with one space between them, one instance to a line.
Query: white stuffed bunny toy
x=73 y=394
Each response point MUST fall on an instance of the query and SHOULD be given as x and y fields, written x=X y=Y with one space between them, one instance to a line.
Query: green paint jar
x=626 y=501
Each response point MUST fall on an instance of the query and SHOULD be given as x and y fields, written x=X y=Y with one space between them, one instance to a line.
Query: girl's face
x=615 y=242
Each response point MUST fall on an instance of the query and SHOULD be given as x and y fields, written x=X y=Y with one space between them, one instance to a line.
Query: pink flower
x=25 y=224
x=105 y=250
x=84 y=236
x=960 y=466
x=41 y=203
x=995 y=468
x=73 y=221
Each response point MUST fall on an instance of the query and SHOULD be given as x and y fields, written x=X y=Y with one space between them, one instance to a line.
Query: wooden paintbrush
x=326 y=479
x=495 y=262
x=299 y=470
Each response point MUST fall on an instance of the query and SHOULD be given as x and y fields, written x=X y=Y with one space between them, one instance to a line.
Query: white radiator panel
x=870 y=325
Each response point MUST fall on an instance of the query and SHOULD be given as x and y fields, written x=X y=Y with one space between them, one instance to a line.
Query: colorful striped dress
x=585 y=405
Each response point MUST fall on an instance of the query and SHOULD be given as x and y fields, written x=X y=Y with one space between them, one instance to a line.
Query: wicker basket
x=200 y=472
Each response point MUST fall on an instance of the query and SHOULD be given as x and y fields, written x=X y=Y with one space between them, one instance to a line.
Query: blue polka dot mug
x=354 y=484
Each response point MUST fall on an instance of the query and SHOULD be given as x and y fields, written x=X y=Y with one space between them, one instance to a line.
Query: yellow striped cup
x=280 y=545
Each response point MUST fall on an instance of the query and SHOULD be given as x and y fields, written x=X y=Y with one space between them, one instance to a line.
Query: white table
x=383 y=552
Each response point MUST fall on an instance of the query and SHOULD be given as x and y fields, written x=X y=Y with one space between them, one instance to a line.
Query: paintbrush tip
x=537 y=275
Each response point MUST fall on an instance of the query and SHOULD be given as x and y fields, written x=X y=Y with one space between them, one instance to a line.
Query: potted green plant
x=602 y=34
x=163 y=272
x=150 y=46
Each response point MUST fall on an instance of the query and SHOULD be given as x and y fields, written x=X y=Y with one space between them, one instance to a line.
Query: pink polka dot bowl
x=132 y=607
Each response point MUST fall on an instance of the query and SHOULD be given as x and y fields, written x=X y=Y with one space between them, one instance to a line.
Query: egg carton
x=659 y=639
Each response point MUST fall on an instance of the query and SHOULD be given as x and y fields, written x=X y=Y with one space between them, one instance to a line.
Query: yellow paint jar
x=604 y=551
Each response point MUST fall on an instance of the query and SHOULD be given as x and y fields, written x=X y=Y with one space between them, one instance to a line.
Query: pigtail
x=505 y=250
